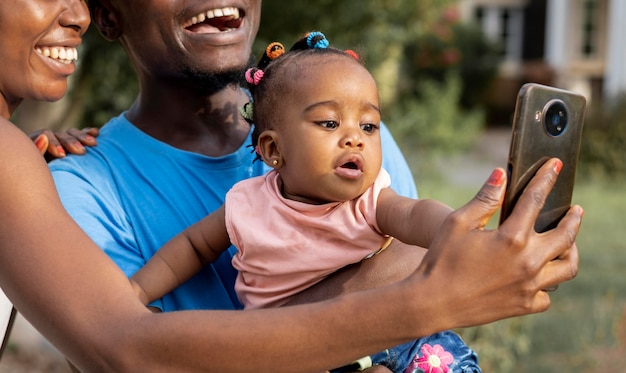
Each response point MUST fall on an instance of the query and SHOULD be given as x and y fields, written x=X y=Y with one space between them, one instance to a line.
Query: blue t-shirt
x=132 y=193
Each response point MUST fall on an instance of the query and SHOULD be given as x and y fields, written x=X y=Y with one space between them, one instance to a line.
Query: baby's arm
x=412 y=221
x=182 y=257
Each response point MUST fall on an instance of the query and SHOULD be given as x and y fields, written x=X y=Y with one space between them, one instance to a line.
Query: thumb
x=42 y=143
x=486 y=202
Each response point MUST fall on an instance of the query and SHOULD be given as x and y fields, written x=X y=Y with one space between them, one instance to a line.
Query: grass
x=585 y=329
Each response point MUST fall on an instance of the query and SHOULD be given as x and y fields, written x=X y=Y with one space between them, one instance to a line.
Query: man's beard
x=210 y=83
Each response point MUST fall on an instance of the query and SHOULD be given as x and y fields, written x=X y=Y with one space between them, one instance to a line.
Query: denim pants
x=428 y=354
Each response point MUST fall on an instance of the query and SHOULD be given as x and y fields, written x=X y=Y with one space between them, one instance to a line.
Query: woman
x=83 y=304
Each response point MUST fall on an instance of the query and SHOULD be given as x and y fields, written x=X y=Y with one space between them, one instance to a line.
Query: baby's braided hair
x=268 y=81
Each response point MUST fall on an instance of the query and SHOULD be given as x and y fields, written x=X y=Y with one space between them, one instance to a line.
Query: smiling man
x=170 y=158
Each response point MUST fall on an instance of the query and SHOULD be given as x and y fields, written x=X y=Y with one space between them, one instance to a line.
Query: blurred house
x=572 y=44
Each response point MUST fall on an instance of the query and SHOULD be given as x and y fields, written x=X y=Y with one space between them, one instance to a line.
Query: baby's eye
x=369 y=127
x=328 y=124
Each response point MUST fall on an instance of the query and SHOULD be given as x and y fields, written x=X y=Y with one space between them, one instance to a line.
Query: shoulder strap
x=7 y=316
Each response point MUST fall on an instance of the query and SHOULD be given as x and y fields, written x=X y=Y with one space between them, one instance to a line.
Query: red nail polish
x=497 y=177
x=61 y=150
x=558 y=165
x=40 y=142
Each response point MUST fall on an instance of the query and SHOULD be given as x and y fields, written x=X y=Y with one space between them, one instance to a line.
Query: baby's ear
x=268 y=149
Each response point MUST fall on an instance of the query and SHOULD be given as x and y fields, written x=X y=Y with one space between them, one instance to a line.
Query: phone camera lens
x=555 y=118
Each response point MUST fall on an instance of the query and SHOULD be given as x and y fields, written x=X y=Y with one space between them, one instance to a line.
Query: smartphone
x=547 y=123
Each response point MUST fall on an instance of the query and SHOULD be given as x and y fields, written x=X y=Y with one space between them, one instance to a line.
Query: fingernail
x=61 y=151
x=497 y=177
x=40 y=141
x=558 y=165
x=581 y=211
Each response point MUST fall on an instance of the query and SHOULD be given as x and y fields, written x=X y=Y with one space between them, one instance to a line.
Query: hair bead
x=354 y=54
x=254 y=76
x=317 y=40
x=274 y=50
x=247 y=112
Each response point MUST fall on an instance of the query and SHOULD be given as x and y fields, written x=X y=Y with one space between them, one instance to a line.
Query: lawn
x=585 y=329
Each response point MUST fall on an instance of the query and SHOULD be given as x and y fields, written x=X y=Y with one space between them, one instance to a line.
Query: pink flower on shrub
x=434 y=359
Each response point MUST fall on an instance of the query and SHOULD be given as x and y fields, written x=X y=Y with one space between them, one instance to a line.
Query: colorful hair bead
x=353 y=54
x=274 y=50
x=247 y=112
x=316 y=39
x=254 y=76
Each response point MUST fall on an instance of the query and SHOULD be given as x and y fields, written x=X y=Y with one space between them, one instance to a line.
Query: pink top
x=286 y=246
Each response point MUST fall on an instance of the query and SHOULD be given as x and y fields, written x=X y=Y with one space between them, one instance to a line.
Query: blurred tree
x=105 y=83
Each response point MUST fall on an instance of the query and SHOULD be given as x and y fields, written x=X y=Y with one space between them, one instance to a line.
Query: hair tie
x=247 y=111
x=352 y=53
x=317 y=40
x=254 y=75
x=274 y=50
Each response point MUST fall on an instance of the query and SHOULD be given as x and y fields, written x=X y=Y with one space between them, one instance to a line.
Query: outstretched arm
x=413 y=221
x=182 y=257
x=83 y=304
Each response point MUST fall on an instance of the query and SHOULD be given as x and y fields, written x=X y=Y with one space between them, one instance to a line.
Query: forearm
x=414 y=222
x=290 y=339
x=395 y=263
x=429 y=215
x=169 y=268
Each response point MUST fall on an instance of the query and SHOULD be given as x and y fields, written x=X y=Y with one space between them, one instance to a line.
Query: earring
x=275 y=162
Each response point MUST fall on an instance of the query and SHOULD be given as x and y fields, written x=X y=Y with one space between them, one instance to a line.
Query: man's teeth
x=62 y=54
x=213 y=13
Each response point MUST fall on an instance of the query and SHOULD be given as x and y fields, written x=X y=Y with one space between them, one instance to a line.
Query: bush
x=436 y=123
x=604 y=140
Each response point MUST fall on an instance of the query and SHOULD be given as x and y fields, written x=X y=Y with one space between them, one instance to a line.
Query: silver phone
x=547 y=123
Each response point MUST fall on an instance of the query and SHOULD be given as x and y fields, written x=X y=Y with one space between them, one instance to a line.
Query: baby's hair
x=268 y=81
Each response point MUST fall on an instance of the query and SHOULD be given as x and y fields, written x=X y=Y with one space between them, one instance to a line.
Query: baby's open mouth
x=350 y=165
x=215 y=20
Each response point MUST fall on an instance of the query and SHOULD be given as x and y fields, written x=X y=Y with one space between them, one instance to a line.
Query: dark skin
x=470 y=275
x=176 y=110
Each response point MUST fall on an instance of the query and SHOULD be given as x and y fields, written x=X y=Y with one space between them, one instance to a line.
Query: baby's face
x=329 y=130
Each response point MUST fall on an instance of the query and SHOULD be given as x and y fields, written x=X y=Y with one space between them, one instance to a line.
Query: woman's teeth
x=61 y=54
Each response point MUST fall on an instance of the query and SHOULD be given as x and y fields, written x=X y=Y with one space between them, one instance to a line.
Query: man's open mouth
x=215 y=20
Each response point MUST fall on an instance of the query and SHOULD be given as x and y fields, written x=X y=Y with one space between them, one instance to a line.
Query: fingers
x=46 y=142
x=527 y=208
x=42 y=142
x=481 y=208
x=86 y=136
x=560 y=244
x=57 y=144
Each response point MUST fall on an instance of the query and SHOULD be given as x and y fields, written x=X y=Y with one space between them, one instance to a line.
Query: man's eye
x=329 y=124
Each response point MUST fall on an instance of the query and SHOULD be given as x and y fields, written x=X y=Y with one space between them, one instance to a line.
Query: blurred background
x=449 y=72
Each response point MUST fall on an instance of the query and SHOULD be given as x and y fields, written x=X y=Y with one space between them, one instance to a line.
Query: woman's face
x=38 y=41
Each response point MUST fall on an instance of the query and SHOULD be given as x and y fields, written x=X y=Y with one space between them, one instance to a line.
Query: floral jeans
x=443 y=352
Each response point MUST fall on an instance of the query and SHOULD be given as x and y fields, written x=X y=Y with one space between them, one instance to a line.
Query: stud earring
x=275 y=162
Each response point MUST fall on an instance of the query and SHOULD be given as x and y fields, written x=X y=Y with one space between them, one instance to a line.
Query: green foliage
x=604 y=141
x=451 y=46
x=108 y=77
x=499 y=345
x=436 y=123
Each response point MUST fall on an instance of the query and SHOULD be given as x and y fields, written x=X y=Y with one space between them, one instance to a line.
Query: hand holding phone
x=547 y=123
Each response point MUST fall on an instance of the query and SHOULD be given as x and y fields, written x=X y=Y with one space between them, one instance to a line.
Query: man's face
x=171 y=38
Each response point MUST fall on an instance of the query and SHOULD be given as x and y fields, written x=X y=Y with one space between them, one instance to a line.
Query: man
x=169 y=160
